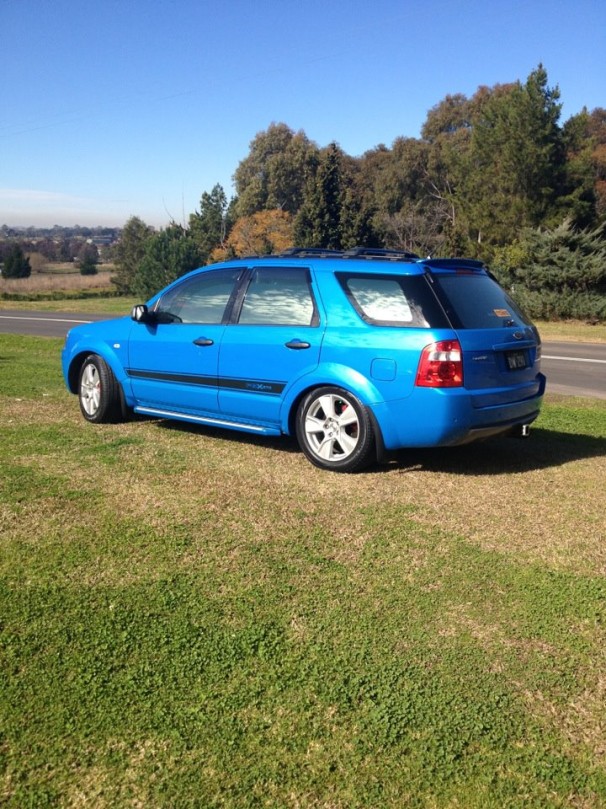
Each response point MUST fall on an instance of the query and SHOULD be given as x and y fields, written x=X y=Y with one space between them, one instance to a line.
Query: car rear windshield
x=476 y=301
x=393 y=300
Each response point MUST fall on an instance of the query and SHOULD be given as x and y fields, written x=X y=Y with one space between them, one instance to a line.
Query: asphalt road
x=571 y=368
x=42 y=324
x=575 y=368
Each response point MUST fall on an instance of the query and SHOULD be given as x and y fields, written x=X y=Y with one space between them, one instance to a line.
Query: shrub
x=16 y=264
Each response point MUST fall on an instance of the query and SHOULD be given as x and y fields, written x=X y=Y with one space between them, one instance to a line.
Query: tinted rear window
x=392 y=300
x=477 y=302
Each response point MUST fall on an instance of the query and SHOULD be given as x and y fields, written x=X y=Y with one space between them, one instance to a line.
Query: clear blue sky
x=135 y=107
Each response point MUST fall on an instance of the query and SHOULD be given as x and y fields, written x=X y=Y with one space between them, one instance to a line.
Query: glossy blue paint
x=291 y=325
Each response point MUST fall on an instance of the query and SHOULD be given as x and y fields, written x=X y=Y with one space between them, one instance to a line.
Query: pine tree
x=210 y=226
x=516 y=160
x=319 y=221
x=558 y=273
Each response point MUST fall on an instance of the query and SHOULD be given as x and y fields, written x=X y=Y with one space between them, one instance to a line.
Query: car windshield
x=477 y=302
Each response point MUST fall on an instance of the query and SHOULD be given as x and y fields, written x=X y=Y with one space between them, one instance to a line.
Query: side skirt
x=208 y=420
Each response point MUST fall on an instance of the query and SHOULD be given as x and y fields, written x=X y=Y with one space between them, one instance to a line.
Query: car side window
x=381 y=299
x=201 y=299
x=279 y=296
x=402 y=301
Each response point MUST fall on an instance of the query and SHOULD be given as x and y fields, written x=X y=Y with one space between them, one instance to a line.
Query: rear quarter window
x=392 y=300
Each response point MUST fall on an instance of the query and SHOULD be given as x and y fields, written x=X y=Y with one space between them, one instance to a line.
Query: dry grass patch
x=573 y=330
x=39 y=283
x=212 y=484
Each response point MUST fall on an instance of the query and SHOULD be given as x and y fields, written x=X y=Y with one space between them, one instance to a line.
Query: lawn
x=197 y=618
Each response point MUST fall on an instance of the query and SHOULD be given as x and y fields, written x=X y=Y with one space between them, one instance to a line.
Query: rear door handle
x=297 y=344
x=203 y=341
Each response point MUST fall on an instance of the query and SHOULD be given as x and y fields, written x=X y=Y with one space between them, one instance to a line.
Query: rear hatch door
x=501 y=348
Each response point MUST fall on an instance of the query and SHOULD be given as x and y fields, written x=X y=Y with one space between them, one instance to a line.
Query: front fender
x=326 y=374
x=91 y=339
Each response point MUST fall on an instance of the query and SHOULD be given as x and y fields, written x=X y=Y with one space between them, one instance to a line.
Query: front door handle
x=297 y=344
x=203 y=341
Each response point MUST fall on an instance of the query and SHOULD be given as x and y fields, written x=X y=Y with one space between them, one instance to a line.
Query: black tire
x=334 y=430
x=99 y=393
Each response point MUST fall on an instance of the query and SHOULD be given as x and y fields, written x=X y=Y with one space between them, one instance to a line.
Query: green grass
x=197 y=618
x=98 y=305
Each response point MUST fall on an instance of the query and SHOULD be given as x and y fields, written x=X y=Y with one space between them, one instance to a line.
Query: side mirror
x=141 y=313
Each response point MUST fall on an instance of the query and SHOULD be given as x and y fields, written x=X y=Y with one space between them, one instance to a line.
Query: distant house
x=101 y=241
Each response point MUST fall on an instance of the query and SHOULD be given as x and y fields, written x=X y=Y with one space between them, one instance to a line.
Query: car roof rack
x=304 y=252
x=377 y=252
x=368 y=253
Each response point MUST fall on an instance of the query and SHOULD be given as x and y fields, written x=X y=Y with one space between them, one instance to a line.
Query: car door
x=275 y=339
x=173 y=359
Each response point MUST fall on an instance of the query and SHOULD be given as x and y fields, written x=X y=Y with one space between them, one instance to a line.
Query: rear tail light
x=441 y=365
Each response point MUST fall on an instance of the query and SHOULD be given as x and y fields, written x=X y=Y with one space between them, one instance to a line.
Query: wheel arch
x=334 y=376
x=77 y=361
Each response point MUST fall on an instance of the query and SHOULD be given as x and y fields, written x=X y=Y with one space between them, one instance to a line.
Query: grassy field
x=196 y=618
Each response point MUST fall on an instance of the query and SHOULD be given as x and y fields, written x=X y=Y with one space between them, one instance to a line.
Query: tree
x=276 y=171
x=318 y=223
x=578 y=197
x=16 y=264
x=597 y=133
x=210 y=226
x=262 y=233
x=557 y=273
x=88 y=258
x=168 y=255
x=516 y=161
x=130 y=251
x=452 y=114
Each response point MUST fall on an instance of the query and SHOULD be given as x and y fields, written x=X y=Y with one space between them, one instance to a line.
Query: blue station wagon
x=355 y=352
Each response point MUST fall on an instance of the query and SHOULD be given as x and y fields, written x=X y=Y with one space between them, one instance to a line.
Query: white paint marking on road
x=571 y=359
x=45 y=319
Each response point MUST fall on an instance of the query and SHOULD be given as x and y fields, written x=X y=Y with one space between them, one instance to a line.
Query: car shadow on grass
x=494 y=456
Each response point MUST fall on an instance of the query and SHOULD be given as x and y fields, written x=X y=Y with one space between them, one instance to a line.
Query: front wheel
x=334 y=430
x=99 y=391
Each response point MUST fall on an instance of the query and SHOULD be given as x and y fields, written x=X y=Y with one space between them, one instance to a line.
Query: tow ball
x=521 y=431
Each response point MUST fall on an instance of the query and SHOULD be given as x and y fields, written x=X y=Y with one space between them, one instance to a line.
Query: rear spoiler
x=468 y=265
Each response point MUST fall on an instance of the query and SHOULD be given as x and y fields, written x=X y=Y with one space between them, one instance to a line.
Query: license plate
x=516 y=360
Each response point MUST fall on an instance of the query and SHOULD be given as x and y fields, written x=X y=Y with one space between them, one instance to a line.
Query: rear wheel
x=99 y=391
x=334 y=430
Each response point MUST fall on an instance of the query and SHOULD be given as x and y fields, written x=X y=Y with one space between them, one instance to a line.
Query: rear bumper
x=478 y=433
x=449 y=417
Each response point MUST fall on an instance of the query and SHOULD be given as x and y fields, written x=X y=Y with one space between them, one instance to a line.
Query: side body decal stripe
x=248 y=385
